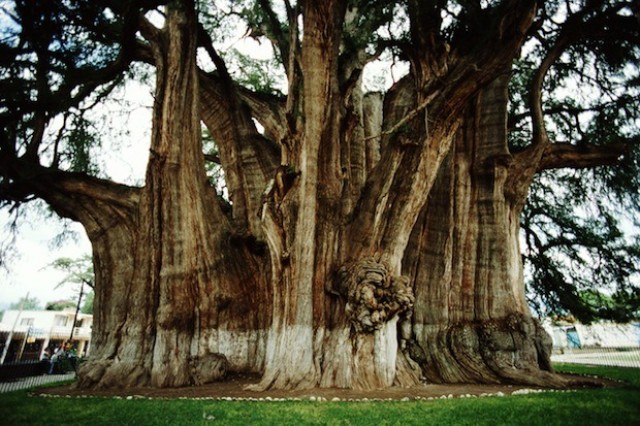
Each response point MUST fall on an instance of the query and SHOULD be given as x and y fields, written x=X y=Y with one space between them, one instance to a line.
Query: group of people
x=56 y=356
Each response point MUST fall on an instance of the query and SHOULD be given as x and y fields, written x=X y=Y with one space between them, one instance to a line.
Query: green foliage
x=60 y=305
x=582 y=252
x=259 y=75
x=578 y=256
x=87 y=305
x=28 y=303
x=612 y=406
x=81 y=140
x=77 y=271
x=57 y=62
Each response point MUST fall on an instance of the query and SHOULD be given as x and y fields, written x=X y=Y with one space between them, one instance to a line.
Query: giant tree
x=368 y=239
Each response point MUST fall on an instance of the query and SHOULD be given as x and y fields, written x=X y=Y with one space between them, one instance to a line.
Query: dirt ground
x=234 y=388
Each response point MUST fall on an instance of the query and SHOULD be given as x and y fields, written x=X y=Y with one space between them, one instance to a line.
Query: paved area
x=611 y=358
x=29 y=382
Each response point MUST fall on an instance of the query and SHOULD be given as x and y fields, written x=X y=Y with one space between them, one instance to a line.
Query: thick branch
x=575 y=29
x=274 y=32
x=400 y=184
x=269 y=110
x=96 y=203
x=564 y=155
x=248 y=158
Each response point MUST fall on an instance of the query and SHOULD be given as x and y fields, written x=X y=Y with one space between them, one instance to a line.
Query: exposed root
x=514 y=350
x=112 y=374
x=209 y=368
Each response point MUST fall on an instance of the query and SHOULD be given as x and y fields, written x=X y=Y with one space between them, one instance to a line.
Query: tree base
x=111 y=374
x=343 y=359
x=513 y=350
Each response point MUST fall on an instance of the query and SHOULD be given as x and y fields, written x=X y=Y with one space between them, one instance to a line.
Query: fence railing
x=24 y=375
x=628 y=356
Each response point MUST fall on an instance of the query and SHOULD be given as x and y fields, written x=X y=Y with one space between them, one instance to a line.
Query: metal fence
x=628 y=356
x=25 y=375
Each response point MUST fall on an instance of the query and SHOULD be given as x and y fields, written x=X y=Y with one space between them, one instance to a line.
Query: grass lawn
x=619 y=406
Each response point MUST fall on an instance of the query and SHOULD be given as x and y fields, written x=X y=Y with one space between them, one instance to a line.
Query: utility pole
x=75 y=317
x=8 y=342
x=24 y=343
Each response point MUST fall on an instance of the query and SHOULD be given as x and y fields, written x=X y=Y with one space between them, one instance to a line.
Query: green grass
x=610 y=406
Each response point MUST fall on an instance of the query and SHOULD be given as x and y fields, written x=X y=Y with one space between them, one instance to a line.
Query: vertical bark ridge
x=372 y=124
x=177 y=232
x=484 y=333
x=299 y=297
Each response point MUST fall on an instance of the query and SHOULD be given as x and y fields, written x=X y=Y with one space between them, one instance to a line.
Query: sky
x=123 y=159
x=29 y=270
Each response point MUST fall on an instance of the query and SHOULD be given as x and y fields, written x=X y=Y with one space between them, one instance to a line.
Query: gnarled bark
x=471 y=322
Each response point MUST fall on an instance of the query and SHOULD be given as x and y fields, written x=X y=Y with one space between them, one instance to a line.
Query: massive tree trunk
x=471 y=322
x=182 y=293
x=177 y=297
x=369 y=240
x=336 y=219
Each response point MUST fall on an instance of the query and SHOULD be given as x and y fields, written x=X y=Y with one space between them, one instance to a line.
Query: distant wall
x=600 y=335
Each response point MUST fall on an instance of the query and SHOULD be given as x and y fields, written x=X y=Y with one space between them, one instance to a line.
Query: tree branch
x=212 y=158
x=564 y=155
x=408 y=117
x=70 y=194
x=275 y=34
x=269 y=110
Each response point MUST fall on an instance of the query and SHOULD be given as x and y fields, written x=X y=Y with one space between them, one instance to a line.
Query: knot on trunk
x=208 y=368
x=373 y=295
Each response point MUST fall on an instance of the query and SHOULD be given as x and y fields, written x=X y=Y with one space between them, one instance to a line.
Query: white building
x=597 y=335
x=31 y=332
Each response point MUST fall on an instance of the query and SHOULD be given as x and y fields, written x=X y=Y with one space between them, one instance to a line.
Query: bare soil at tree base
x=235 y=387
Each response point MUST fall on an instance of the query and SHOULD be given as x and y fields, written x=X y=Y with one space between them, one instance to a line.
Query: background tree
x=80 y=273
x=59 y=305
x=28 y=303
x=376 y=233
x=77 y=271
x=87 y=306
x=579 y=224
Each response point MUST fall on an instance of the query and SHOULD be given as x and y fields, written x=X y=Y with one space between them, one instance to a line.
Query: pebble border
x=312 y=398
